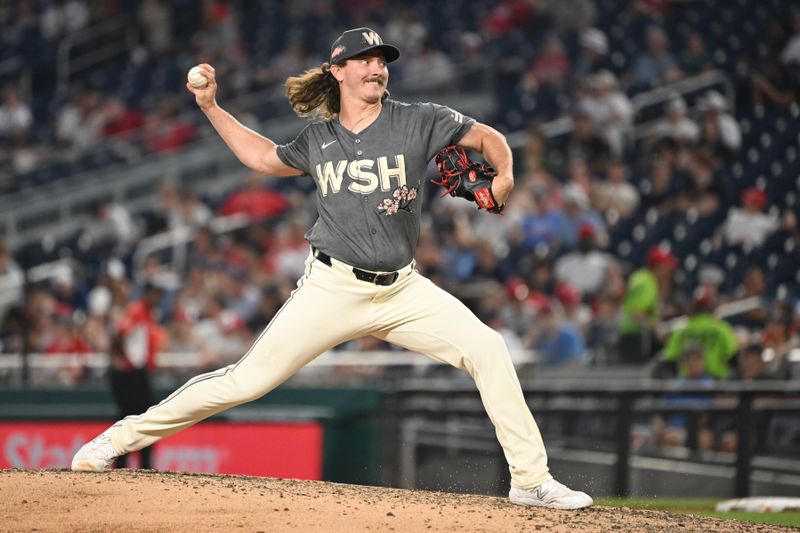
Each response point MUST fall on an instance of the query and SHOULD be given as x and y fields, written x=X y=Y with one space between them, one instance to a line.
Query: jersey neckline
x=362 y=132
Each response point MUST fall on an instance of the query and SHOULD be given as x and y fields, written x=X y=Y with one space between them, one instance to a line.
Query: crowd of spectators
x=575 y=269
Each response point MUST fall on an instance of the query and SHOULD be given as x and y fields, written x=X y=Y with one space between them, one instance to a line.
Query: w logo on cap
x=371 y=37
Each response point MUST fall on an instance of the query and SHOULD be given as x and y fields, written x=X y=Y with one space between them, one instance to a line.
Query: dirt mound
x=125 y=500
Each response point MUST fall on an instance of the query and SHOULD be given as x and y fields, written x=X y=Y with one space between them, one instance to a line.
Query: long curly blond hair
x=315 y=93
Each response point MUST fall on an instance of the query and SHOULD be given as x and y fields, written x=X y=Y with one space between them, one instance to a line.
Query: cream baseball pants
x=330 y=306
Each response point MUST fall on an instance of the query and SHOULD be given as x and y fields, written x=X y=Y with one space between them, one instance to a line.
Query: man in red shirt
x=137 y=339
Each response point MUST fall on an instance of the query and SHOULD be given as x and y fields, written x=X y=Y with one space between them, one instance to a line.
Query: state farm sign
x=287 y=450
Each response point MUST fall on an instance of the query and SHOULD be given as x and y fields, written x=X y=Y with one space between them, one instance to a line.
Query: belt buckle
x=385 y=280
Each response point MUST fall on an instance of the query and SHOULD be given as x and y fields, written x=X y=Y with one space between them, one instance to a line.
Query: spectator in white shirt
x=15 y=115
x=719 y=131
x=430 y=69
x=615 y=196
x=585 y=267
x=610 y=110
x=749 y=226
x=675 y=125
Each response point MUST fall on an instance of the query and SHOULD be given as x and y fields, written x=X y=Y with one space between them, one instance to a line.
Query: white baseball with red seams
x=196 y=78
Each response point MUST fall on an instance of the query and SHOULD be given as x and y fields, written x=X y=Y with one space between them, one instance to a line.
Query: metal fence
x=617 y=402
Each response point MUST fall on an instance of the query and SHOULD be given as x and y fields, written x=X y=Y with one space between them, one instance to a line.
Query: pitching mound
x=125 y=500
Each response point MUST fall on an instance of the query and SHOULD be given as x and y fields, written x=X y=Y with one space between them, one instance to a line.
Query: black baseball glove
x=466 y=179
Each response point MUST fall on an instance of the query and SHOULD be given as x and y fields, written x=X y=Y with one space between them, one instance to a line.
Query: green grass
x=702 y=508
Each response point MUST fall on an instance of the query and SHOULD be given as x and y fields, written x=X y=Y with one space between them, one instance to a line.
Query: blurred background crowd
x=653 y=224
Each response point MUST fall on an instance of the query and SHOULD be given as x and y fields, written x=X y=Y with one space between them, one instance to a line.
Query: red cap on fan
x=567 y=294
x=585 y=231
x=703 y=300
x=658 y=255
x=754 y=196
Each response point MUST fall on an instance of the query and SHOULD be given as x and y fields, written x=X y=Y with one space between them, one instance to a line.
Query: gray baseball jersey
x=370 y=184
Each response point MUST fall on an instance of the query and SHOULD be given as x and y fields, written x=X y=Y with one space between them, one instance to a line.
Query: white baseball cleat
x=550 y=494
x=96 y=455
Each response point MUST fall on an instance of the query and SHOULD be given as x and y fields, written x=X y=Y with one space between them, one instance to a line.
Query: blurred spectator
x=540 y=226
x=790 y=55
x=559 y=343
x=179 y=208
x=659 y=188
x=242 y=296
x=675 y=430
x=593 y=55
x=15 y=115
x=774 y=86
x=12 y=280
x=60 y=19
x=771 y=81
x=779 y=338
x=709 y=278
x=515 y=345
x=457 y=250
x=69 y=294
x=119 y=120
x=615 y=196
x=183 y=339
x=703 y=189
x=585 y=267
x=155 y=23
x=137 y=339
x=694 y=58
x=714 y=335
x=675 y=126
x=287 y=255
x=221 y=331
x=656 y=65
x=429 y=70
x=611 y=111
x=539 y=161
x=749 y=226
x=193 y=211
x=647 y=290
x=577 y=212
x=575 y=311
x=407 y=28
x=256 y=200
x=550 y=68
x=292 y=59
x=79 y=124
x=570 y=15
x=585 y=143
x=751 y=364
x=519 y=312
x=508 y=15
x=719 y=131
x=164 y=131
x=112 y=225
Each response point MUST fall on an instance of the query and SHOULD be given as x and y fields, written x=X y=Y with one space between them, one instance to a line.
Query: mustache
x=379 y=79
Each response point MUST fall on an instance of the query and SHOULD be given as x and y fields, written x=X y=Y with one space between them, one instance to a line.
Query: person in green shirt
x=714 y=335
x=641 y=308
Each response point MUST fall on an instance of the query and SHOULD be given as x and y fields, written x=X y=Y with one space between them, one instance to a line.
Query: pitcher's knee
x=486 y=347
x=246 y=389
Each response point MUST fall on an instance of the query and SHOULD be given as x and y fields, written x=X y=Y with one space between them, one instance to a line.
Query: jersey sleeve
x=295 y=153
x=447 y=126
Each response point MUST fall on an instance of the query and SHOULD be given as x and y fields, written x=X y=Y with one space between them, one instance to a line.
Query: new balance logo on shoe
x=550 y=494
x=540 y=493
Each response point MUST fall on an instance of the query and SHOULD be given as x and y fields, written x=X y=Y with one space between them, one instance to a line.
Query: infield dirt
x=129 y=500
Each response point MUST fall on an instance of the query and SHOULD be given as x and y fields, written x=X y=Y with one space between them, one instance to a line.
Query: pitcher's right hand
x=205 y=96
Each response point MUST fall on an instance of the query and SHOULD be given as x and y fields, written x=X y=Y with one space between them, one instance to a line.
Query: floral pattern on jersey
x=401 y=200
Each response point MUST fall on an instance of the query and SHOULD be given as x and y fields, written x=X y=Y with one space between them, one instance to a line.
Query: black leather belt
x=383 y=280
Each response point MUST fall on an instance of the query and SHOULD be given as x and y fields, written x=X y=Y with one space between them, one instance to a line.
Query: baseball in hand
x=196 y=79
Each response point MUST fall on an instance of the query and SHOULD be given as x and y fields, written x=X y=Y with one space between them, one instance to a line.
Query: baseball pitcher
x=368 y=155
